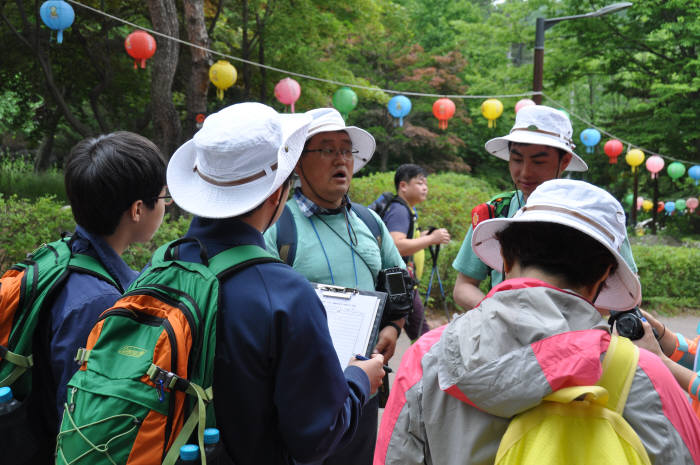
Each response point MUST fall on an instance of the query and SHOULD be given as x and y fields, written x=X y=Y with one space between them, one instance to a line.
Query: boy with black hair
x=400 y=218
x=116 y=187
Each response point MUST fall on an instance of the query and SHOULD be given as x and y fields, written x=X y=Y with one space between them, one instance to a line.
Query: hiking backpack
x=381 y=206
x=149 y=363
x=580 y=424
x=287 y=231
x=26 y=291
x=497 y=207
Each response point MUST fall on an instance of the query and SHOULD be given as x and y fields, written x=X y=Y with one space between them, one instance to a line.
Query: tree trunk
x=198 y=84
x=167 y=130
x=245 y=47
x=43 y=155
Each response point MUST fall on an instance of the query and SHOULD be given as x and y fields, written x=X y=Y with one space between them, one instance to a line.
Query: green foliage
x=17 y=177
x=669 y=277
x=25 y=225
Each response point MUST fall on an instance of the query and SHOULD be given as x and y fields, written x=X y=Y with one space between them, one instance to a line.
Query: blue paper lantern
x=669 y=207
x=590 y=137
x=694 y=172
x=399 y=106
x=57 y=15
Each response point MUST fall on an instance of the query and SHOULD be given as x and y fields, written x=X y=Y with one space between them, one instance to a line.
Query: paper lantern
x=399 y=106
x=640 y=201
x=344 y=100
x=694 y=172
x=655 y=164
x=634 y=158
x=566 y=113
x=287 y=92
x=647 y=205
x=680 y=205
x=669 y=207
x=590 y=138
x=660 y=206
x=613 y=149
x=491 y=109
x=443 y=109
x=57 y=15
x=676 y=170
x=526 y=102
x=141 y=46
x=692 y=204
x=223 y=75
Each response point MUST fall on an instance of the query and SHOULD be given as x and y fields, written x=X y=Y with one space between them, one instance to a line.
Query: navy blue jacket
x=74 y=311
x=279 y=391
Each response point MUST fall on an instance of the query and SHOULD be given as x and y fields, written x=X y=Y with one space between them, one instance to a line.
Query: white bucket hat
x=241 y=155
x=329 y=120
x=539 y=125
x=584 y=207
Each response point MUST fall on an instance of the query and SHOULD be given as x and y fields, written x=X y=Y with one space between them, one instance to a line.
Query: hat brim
x=621 y=290
x=364 y=143
x=199 y=197
x=499 y=147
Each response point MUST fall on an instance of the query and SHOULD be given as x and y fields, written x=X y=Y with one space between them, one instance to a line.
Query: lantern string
x=292 y=73
x=629 y=144
x=370 y=88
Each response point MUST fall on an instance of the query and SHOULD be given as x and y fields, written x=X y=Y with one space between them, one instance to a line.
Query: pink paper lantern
x=692 y=204
x=526 y=102
x=655 y=164
x=640 y=201
x=288 y=91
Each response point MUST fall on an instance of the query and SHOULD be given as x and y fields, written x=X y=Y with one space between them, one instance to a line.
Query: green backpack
x=145 y=381
x=24 y=289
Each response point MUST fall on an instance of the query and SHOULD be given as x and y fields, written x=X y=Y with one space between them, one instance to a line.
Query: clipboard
x=354 y=317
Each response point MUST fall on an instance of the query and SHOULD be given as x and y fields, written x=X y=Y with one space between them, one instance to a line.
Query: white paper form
x=351 y=317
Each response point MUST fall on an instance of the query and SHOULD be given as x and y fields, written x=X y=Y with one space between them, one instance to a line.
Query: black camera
x=398 y=285
x=629 y=323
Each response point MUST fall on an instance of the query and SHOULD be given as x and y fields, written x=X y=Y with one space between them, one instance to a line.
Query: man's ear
x=135 y=211
x=564 y=162
x=506 y=266
x=402 y=185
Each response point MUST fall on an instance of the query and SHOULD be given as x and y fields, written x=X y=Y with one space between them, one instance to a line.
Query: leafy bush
x=26 y=224
x=668 y=276
x=17 y=177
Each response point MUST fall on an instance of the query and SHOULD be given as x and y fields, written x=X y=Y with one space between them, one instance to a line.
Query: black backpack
x=383 y=202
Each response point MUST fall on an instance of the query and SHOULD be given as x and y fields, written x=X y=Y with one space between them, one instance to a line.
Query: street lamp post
x=542 y=25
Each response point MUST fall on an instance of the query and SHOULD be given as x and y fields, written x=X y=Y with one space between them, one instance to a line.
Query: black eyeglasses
x=167 y=199
x=328 y=152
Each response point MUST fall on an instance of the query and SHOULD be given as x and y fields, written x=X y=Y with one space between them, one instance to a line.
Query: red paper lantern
x=288 y=91
x=613 y=148
x=141 y=46
x=443 y=109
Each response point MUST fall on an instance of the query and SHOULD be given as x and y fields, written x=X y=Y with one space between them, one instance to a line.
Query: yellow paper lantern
x=223 y=75
x=647 y=205
x=492 y=109
x=634 y=158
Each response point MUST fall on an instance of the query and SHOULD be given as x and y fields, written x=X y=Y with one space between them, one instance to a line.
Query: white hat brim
x=621 y=291
x=364 y=143
x=499 y=147
x=199 y=197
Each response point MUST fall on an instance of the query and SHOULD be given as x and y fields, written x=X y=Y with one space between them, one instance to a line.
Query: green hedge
x=668 y=274
x=26 y=224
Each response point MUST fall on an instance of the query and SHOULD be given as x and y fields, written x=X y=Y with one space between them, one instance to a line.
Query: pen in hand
x=386 y=368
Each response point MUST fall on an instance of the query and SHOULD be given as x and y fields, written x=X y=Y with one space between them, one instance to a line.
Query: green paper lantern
x=680 y=205
x=628 y=200
x=676 y=170
x=344 y=100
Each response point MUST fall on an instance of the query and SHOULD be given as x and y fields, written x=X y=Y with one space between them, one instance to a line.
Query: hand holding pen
x=372 y=368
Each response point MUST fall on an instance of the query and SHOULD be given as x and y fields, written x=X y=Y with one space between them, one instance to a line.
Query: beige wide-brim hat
x=240 y=156
x=539 y=125
x=330 y=120
x=584 y=207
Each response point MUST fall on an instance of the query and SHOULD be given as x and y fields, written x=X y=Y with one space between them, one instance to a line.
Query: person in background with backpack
x=538 y=148
x=400 y=218
x=334 y=241
x=537 y=332
x=116 y=187
x=280 y=394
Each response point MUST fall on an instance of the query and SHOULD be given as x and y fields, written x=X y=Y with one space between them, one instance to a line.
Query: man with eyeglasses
x=333 y=244
x=538 y=148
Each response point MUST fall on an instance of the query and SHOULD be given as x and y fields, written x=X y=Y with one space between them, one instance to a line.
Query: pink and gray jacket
x=458 y=386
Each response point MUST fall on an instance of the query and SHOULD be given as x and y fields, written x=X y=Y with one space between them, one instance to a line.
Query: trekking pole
x=434 y=254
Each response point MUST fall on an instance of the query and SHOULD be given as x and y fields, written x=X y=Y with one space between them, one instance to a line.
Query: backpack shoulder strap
x=411 y=214
x=286 y=236
x=233 y=259
x=90 y=265
x=371 y=222
x=619 y=366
